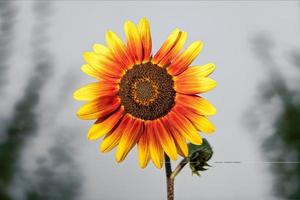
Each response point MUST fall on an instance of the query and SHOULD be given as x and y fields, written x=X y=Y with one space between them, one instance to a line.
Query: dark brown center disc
x=146 y=91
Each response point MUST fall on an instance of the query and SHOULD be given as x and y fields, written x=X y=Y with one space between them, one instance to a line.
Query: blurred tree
x=23 y=122
x=56 y=177
x=8 y=14
x=282 y=147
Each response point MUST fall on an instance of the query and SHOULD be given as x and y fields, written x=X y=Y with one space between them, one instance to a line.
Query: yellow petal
x=167 y=46
x=165 y=139
x=197 y=71
x=194 y=85
x=118 y=49
x=184 y=127
x=134 y=42
x=196 y=103
x=143 y=149
x=112 y=139
x=98 y=108
x=103 y=65
x=203 y=124
x=182 y=62
x=179 y=140
x=103 y=50
x=145 y=34
x=87 y=69
x=102 y=127
x=94 y=90
x=156 y=151
x=199 y=121
x=130 y=136
x=175 y=49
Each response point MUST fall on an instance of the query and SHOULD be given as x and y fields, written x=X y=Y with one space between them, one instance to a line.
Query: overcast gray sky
x=225 y=28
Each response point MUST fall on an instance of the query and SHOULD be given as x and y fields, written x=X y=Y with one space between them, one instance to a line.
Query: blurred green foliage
x=282 y=146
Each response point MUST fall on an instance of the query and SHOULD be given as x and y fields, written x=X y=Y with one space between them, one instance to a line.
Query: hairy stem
x=170 y=181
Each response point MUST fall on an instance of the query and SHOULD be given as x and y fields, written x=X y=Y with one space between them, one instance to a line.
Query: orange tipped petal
x=143 y=148
x=196 y=103
x=200 y=122
x=182 y=150
x=94 y=90
x=197 y=71
x=184 y=127
x=98 y=108
x=182 y=62
x=87 y=69
x=166 y=47
x=112 y=139
x=179 y=140
x=103 y=65
x=102 y=127
x=165 y=139
x=194 y=85
x=175 y=50
x=134 y=42
x=145 y=34
x=156 y=151
x=103 y=50
x=130 y=136
x=119 y=50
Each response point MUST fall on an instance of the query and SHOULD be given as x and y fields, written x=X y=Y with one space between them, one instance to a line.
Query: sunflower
x=151 y=101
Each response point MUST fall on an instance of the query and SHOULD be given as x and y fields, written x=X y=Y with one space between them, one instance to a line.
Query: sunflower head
x=149 y=100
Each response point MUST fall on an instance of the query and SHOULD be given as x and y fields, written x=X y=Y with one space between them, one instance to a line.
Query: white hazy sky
x=224 y=27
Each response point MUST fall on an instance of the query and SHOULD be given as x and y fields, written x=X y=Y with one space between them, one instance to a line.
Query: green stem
x=179 y=167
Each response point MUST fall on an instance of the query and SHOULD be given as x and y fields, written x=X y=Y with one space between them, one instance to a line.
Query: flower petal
x=103 y=65
x=143 y=148
x=179 y=140
x=165 y=139
x=134 y=42
x=118 y=49
x=196 y=103
x=203 y=124
x=145 y=34
x=194 y=85
x=94 y=90
x=197 y=71
x=184 y=127
x=130 y=137
x=112 y=139
x=102 y=127
x=200 y=122
x=167 y=46
x=98 y=108
x=175 y=50
x=156 y=151
x=103 y=50
x=182 y=62
x=87 y=69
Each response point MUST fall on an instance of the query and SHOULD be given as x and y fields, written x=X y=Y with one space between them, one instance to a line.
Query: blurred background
x=44 y=153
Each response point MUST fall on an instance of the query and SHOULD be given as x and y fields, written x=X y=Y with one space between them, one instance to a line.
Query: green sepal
x=198 y=156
